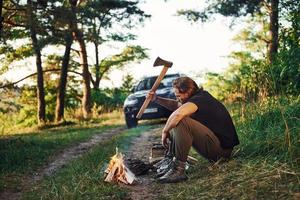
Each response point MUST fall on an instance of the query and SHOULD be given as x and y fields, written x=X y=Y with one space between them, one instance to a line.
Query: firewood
x=138 y=167
x=117 y=170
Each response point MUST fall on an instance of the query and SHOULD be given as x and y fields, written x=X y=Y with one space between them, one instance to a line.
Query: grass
x=10 y=126
x=264 y=166
x=22 y=153
x=239 y=178
x=83 y=177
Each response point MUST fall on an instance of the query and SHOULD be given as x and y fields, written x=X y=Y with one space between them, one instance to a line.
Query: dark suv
x=135 y=100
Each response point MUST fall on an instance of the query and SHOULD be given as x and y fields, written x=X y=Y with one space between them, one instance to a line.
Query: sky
x=193 y=48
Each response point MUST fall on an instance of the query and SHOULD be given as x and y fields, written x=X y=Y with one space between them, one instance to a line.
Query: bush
x=271 y=127
x=107 y=100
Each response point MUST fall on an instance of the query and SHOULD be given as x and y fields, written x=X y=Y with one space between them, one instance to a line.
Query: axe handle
x=153 y=89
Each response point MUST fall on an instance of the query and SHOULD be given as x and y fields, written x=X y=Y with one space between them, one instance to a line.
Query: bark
x=40 y=79
x=273 y=28
x=1 y=18
x=86 y=98
x=60 y=99
x=97 y=74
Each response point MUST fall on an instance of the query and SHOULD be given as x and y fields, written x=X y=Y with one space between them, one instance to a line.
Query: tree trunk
x=60 y=99
x=273 y=28
x=86 y=98
x=97 y=67
x=40 y=78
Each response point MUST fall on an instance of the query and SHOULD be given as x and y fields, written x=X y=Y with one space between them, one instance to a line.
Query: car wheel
x=131 y=121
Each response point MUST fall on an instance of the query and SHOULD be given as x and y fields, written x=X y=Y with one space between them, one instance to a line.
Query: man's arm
x=183 y=111
x=170 y=104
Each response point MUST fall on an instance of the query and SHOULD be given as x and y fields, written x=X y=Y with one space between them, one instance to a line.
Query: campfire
x=117 y=171
x=121 y=170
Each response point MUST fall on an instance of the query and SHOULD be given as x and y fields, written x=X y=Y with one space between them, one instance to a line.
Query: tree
x=61 y=89
x=129 y=54
x=79 y=37
x=128 y=83
x=102 y=20
x=238 y=8
x=43 y=23
x=32 y=21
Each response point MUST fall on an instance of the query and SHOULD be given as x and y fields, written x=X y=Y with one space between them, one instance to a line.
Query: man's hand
x=164 y=138
x=151 y=95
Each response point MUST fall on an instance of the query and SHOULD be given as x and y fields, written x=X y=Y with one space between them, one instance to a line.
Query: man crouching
x=198 y=120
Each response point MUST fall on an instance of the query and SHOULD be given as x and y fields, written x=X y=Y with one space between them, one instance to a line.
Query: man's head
x=184 y=88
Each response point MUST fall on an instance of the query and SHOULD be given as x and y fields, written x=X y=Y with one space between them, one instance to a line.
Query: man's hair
x=186 y=84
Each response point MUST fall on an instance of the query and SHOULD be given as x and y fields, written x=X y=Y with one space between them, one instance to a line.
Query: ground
x=140 y=149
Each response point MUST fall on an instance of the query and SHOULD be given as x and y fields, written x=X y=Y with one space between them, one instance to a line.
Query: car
x=134 y=101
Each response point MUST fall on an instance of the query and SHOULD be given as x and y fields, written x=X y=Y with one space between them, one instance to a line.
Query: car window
x=151 y=82
x=147 y=83
x=141 y=85
x=167 y=81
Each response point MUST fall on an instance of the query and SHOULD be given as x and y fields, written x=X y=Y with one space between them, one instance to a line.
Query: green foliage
x=249 y=77
x=128 y=84
x=231 y=8
x=51 y=22
x=11 y=54
x=28 y=113
x=108 y=99
x=128 y=55
x=287 y=66
x=271 y=128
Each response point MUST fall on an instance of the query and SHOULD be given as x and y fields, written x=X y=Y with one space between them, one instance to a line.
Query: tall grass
x=272 y=128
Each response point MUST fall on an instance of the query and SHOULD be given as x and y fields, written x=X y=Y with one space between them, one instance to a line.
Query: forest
x=62 y=103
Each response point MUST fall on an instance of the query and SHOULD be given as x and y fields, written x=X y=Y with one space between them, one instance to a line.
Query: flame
x=117 y=170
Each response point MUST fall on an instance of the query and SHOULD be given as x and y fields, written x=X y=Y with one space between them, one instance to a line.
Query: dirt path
x=141 y=150
x=61 y=160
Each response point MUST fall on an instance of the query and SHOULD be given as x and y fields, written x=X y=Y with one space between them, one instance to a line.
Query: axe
x=157 y=62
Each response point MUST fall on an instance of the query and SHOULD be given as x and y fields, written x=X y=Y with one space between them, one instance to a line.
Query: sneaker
x=164 y=169
x=175 y=174
x=163 y=162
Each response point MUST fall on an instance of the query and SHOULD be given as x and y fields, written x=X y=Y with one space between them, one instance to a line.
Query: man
x=198 y=120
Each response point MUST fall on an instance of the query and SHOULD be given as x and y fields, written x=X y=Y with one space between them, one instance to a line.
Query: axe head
x=158 y=62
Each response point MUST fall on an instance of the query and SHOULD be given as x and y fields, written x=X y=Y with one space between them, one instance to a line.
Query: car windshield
x=147 y=83
x=167 y=81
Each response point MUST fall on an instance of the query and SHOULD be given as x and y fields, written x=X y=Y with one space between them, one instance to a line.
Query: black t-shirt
x=215 y=116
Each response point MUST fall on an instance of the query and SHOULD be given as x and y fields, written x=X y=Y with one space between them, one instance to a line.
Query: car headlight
x=131 y=100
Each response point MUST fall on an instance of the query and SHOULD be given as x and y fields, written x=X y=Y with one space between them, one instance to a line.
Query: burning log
x=117 y=170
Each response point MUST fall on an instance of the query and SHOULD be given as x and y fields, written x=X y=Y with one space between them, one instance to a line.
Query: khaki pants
x=190 y=132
